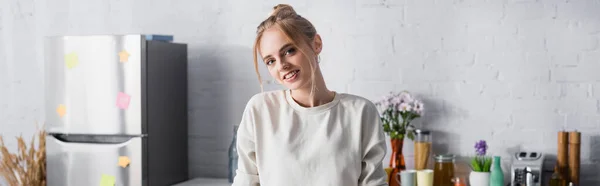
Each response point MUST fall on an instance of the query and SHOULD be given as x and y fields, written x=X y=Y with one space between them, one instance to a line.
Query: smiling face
x=285 y=61
x=289 y=45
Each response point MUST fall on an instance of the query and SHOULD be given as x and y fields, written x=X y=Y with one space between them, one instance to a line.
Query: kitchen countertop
x=205 y=182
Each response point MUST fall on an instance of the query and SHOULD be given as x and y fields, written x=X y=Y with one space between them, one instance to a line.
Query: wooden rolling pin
x=574 y=156
x=562 y=157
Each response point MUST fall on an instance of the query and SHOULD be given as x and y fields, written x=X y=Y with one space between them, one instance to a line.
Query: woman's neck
x=322 y=95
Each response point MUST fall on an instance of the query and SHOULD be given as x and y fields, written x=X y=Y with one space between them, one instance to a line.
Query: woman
x=306 y=135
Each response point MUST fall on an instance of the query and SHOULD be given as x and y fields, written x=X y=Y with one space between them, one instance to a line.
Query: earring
x=318 y=58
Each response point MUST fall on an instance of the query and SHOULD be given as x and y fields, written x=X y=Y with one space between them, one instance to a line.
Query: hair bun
x=283 y=11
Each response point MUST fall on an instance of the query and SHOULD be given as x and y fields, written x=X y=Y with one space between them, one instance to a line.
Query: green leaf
x=410 y=117
x=396 y=127
x=410 y=135
x=386 y=128
x=487 y=164
x=475 y=165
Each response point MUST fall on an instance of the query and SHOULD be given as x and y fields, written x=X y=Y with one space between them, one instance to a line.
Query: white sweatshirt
x=280 y=143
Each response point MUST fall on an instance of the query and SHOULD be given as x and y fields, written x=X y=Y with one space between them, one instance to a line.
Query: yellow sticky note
x=61 y=110
x=123 y=56
x=71 y=60
x=124 y=161
x=107 y=180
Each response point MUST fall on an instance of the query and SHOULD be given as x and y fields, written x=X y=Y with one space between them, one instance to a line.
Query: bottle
x=497 y=176
x=233 y=156
x=557 y=178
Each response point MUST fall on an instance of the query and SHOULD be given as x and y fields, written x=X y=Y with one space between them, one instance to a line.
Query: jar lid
x=445 y=158
x=425 y=132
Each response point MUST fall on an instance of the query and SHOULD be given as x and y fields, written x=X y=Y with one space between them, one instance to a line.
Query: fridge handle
x=100 y=140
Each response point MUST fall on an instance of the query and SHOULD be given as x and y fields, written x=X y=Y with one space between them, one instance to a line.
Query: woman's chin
x=291 y=86
x=294 y=85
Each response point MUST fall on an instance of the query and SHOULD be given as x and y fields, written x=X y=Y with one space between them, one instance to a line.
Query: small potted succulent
x=481 y=164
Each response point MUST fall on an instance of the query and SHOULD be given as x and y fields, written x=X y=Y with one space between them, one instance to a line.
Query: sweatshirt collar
x=320 y=108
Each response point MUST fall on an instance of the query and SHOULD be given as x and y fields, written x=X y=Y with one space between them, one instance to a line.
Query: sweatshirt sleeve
x=247 y=172
x=373 y=149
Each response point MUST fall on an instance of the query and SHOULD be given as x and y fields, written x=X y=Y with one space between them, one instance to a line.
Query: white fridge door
x=93 y=84
x=77 y=164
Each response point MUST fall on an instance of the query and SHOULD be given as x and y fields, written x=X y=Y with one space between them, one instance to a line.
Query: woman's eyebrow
x=280 y=50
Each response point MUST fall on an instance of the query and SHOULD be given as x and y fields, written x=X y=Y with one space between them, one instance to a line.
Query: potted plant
x=397 y=112
x=481 y=163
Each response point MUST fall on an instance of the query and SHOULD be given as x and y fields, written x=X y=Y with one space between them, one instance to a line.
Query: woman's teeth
x=289 y=75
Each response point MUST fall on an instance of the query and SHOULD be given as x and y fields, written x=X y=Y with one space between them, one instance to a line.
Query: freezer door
x=81 y=163
x=93 y=84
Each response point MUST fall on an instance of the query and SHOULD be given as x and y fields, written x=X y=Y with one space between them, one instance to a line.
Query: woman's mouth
x=290 y=76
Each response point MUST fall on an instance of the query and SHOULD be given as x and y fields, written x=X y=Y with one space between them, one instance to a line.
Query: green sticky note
x=71 y=60
x=107 y=180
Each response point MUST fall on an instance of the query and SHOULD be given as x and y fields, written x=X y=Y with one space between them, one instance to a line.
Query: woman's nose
x=283 y=65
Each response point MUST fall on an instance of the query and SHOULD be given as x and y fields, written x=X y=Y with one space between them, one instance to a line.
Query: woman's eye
x=269 y=62
x=290 y=51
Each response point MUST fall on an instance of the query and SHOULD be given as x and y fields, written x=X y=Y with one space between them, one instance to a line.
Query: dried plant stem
x=27 y=166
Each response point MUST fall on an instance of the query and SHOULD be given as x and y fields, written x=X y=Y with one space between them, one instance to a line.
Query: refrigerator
x=115 y=110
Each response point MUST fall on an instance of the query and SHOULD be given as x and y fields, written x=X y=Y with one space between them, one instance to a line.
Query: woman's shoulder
x=356 y=101
x=265 y=98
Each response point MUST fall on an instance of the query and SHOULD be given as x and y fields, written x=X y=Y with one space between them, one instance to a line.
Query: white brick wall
x=494 y=70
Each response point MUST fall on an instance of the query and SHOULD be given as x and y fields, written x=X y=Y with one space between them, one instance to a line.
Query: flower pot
x=479 y=178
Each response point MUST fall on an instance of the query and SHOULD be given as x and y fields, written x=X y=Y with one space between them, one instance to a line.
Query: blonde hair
x=297 y=29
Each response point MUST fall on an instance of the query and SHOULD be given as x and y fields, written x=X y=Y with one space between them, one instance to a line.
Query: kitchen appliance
x=527 y=169
x=116 y=110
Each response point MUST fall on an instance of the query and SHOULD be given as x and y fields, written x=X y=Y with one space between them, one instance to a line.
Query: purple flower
x=405 y=97
x=481 y=147
x=404 y=107
x=418 y=107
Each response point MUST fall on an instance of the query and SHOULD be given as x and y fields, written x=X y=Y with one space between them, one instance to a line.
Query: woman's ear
x=317 y=44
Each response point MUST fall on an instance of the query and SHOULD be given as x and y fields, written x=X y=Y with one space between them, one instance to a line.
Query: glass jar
x=443 y=171
x=422 y=149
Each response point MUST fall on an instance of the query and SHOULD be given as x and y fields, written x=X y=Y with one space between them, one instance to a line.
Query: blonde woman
x=306 y=135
